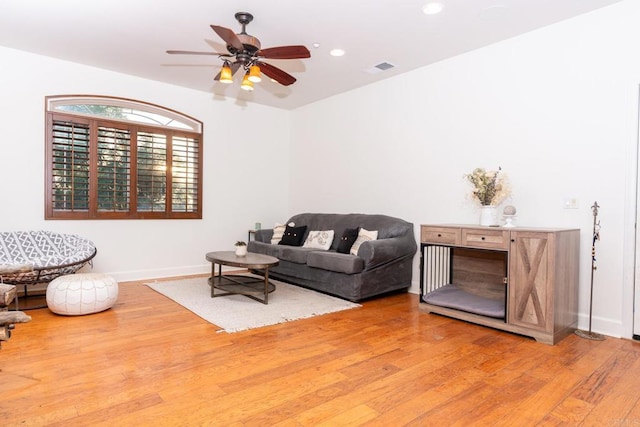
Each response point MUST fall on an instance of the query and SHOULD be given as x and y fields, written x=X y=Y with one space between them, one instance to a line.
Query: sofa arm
x=264 y=235
x=379 y=252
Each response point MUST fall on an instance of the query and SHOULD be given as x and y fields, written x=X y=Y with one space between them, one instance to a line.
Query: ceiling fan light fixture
x=254 y=74
x=244 y=50
x=226 y=76
x=246 y=83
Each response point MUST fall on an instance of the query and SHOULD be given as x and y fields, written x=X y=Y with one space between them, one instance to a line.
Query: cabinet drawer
x=490 y=239
x=442 y=235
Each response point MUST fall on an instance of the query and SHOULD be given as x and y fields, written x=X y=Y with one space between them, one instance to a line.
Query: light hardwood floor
x=148 y=361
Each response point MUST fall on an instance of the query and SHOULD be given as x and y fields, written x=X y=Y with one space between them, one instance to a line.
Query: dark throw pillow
x=346 y=241
x=293 y=236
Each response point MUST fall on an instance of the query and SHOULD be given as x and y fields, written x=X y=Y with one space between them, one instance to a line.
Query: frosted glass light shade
x=225 y=74
x=254 y=74
x=246 y=83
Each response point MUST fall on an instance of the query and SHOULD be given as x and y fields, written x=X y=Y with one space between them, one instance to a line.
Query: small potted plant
x=241 y=248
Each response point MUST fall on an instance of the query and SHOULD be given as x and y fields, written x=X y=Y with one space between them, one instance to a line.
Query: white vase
x=488 y=216
x=241 y=251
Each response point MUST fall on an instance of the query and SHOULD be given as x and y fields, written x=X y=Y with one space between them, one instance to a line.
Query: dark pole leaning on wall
x=596 y=236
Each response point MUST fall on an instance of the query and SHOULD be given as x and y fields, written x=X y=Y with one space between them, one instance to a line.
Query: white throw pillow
x=363 y=236
x=278 y=232
x=319 y=240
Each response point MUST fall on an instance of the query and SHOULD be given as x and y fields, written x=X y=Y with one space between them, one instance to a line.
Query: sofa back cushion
x=293 y=254
x=387 y=226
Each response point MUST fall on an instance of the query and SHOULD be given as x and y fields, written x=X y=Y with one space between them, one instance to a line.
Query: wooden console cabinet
x=531 y=272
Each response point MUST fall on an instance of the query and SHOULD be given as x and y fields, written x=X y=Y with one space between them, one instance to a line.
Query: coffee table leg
x=213 y=279
x=266 y=285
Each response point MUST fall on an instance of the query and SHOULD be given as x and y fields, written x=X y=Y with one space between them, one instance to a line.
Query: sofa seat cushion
x=263 y=248
x=295 y=254
x=334 y=261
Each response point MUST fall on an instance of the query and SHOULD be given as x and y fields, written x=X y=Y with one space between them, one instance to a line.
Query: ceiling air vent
x=378 y=68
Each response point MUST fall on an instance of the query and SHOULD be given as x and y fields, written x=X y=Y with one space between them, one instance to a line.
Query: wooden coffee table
x=238 y=284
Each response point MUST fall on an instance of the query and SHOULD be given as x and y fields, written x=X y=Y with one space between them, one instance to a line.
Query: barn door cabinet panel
x=522 y=280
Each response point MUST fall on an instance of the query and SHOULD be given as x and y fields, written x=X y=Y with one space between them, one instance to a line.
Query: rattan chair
x=41 y=256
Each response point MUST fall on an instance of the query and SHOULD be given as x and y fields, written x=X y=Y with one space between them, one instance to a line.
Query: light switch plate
x=570 y=202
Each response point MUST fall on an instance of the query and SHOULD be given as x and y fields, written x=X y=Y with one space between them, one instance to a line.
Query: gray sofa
x=381 y=266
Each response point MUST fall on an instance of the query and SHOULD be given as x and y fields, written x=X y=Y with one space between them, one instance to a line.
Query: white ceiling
x=132 y=36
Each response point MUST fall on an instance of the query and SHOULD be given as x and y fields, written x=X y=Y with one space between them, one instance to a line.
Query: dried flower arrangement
x=491 y=187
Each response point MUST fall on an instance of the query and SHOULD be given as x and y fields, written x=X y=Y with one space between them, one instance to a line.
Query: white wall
x=556 y=109
x=241 y=186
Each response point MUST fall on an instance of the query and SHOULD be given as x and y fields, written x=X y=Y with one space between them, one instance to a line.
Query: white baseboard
x=600 y=325
x=126 y=276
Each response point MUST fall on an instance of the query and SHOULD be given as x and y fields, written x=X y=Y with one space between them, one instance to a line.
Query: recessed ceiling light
x=337 y=52
x=316 y=45
x=432 y=8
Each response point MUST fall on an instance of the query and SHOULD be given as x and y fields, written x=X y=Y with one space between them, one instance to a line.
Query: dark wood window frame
x=104 y=168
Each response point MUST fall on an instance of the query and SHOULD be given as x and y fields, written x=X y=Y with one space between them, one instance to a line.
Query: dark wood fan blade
x=276 y=74
x=285 y=52
x=234 y=67
x=228 y=36
x=190 y=52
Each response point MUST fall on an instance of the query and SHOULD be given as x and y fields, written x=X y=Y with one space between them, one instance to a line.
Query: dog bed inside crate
x=451 y=296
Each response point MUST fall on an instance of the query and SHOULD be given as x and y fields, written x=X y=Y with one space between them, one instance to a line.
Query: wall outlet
x=570 y=203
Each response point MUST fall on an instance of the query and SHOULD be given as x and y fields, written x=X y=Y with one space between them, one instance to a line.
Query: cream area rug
x=234 y=313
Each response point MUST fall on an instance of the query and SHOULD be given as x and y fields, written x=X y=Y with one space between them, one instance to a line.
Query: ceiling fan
x=245 y=51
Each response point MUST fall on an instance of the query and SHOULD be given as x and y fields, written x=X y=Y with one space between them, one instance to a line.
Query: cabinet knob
x=439 y=235
x=482 y=238
x=513 y=240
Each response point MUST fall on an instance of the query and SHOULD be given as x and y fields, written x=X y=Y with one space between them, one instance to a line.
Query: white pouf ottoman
x=83 y=293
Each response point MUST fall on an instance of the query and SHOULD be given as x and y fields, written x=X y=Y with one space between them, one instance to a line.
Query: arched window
x=115 y=158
